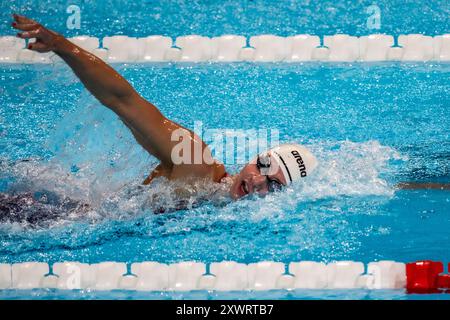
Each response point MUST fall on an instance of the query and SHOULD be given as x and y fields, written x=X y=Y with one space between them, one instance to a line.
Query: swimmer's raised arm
x=150 y=128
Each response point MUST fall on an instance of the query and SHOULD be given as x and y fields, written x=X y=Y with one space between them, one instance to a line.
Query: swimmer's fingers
x=23 y=19
x=38 y=46
x=30 y=34
x=46 y=39
x=25 y=26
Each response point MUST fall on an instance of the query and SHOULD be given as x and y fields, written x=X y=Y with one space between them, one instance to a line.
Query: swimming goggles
x=263 y=164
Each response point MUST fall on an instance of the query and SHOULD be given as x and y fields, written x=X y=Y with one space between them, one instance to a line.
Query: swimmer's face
x=255 y=178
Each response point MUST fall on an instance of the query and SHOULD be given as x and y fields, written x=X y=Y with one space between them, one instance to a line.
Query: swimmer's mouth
x=244 y=188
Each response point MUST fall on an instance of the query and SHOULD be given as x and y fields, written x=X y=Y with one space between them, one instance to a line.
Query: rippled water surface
x=371 y=127
x=245 y=17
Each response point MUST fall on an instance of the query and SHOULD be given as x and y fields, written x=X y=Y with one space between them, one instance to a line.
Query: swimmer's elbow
x=111 y=102
x=120 y=104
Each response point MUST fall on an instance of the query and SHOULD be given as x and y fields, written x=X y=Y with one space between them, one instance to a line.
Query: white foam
x=350 y=168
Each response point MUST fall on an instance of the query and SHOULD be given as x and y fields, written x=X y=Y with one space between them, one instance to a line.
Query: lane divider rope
x=230 y=48
x=416 y=277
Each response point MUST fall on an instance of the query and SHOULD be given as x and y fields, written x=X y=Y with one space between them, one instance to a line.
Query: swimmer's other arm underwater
x=269 y=171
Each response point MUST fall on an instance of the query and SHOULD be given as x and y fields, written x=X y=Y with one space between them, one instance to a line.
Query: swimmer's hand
x=46 y=39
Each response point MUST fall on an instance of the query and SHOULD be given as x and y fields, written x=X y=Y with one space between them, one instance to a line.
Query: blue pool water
x=370 y=125
x=245 y=17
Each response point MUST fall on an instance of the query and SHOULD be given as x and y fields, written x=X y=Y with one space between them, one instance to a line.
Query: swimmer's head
x=272 y=170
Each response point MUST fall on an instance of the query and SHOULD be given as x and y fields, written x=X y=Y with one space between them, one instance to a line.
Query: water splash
x=345 y=169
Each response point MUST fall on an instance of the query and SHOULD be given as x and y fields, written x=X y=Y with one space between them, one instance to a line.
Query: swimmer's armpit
x=423 y=185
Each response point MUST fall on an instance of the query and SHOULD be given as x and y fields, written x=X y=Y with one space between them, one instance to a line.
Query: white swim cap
x=295 y=161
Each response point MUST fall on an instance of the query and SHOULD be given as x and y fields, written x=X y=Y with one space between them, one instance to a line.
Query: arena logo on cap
x=301 y=164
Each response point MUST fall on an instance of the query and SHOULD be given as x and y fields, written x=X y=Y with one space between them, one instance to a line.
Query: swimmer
x=268 y=172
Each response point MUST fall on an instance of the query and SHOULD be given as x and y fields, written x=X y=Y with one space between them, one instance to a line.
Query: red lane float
x=426 y=277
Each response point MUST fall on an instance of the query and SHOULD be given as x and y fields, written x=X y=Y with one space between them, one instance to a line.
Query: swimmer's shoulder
x=219 y=172
x=216 y=172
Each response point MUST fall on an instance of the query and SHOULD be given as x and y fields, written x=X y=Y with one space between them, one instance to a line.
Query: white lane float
x=151 y=276
x=194 y=48
x=230 y=48
x=264 y=275
x=5 y=276
x=342 y=47
x=10 y=48
x=416 y=47
x=29 y=275
x=185 y=276
x=227 y=48
x=421 y=276
x=441 y=46
x=375 y=47
x=269 y=48
x=301 y=47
